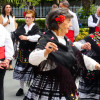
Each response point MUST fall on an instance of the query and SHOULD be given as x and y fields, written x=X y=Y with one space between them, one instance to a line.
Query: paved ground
x=11 y=86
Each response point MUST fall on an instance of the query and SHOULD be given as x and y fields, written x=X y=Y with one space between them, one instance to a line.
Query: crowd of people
x=51 y=62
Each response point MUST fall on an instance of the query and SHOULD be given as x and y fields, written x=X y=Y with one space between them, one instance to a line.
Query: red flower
x=92 y=36
x=97 y=34
x=99 y=44
x=52 y=38
x=43 y=32
x=24 y=14
x=60 y=19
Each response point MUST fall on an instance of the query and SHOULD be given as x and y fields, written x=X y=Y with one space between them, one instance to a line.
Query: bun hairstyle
x=51 y=22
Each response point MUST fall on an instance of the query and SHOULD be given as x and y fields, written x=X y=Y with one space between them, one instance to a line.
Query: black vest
x=92 y=29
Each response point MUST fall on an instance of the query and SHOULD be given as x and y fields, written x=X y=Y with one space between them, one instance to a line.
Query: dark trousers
x=2 y=74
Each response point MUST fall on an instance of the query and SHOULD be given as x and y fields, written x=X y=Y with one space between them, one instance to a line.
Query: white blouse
x=5 y=40
x=37 y=56
x=90 y=21
x=33 y=38
x=75 y=25
x=11 y=26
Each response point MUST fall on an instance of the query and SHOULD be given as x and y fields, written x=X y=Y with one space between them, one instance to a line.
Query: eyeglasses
x=28 y=17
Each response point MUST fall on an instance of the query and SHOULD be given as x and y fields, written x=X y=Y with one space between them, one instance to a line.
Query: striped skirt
x=90 y=89
x=19 y=73
x=45 y=91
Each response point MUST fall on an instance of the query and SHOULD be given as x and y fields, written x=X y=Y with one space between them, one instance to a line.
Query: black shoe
x=20 y=92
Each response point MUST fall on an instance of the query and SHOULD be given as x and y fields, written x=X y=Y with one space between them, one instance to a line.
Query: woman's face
x=29 y=19
x=64 y=27
x=7 y=8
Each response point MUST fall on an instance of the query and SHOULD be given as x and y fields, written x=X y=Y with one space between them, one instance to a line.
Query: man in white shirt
x=6 y=54
x=94 y=22
x=74 y=29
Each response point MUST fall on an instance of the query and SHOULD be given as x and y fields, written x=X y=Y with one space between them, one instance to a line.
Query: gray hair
x=54 y=6
x=65 y=3
x=51 y=22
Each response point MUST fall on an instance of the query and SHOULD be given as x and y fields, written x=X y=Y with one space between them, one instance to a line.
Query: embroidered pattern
x=23 y=55
x=96 y=37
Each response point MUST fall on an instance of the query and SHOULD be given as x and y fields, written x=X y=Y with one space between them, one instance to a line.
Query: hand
x=86 y=46
x=98 y=24
x=1 y=65
x=8 y=21
x=7 y=61
x=4 y=63
x=50 y=47
x=97 y=66
x=22 y=37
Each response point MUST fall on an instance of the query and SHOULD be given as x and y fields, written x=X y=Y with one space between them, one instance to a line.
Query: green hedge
x=40 y=22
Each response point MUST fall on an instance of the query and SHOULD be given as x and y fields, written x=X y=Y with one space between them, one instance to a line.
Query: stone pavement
x=11 y=86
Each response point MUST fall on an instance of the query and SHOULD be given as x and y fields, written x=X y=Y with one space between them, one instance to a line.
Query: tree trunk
x=86 y=5
x=57 y=1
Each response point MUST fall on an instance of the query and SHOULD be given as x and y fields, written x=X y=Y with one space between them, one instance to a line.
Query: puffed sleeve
x=91 y=23
x=89 y=63
x=37 y=56
x=9 y=50
x=75 y=25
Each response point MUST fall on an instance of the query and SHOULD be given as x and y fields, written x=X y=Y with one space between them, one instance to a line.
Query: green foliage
x=40 y=22
x=83 y=32
x=29 y=2
x=82 y=12
x=20 y=21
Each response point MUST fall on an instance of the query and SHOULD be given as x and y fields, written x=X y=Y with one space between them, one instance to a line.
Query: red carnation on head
x=24 y=14
x=60 y=19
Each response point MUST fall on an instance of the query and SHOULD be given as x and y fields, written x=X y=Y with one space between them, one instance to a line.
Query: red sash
x=70 y=35
x=97 y=29
x=2 y=52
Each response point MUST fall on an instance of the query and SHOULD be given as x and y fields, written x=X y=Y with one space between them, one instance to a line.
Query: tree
x=86 y=5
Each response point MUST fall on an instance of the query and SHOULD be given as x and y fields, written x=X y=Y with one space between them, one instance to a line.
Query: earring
x=59 y=30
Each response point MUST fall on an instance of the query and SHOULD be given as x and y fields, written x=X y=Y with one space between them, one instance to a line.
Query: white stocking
x=21 y=84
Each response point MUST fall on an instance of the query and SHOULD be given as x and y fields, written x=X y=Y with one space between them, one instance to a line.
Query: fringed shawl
x=69 y=62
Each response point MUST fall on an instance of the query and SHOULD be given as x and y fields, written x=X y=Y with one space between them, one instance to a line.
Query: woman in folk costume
x=89 y=84
x=28 y=35
x=58 y=61
x=6 y=54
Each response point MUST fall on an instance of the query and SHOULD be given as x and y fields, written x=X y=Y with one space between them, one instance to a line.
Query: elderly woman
x=89 y=84
x=58 y=61
x=28 y=35
x=6 y=54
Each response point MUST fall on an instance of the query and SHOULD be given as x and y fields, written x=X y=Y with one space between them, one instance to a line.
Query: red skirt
x=70 y=35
